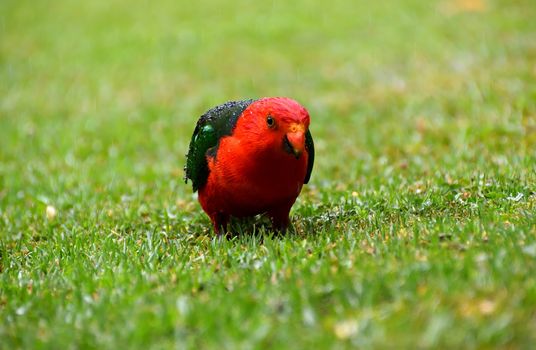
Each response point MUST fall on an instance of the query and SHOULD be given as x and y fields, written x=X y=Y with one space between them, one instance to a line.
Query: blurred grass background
x=432 y=70
x=422 y=111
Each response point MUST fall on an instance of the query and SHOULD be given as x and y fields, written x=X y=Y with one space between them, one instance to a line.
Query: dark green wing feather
x=310 y=147
x=211 y=127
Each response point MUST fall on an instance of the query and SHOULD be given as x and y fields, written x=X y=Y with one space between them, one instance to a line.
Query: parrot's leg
x=279 y=217
x=220 y=221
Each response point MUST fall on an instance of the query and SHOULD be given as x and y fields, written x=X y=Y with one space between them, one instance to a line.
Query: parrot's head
x=276 y=123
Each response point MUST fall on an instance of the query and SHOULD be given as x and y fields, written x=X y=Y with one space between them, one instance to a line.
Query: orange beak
x=296 y=139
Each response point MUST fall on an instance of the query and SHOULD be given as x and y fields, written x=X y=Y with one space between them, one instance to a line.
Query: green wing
x=310 y=147
x=211 y=127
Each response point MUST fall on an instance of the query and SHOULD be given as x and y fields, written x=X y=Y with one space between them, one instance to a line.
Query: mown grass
x=418 y=227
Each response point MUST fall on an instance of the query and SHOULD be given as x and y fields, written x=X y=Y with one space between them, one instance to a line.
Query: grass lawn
x=418 y=228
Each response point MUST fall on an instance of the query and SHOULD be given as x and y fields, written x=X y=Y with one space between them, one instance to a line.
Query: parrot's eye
x=270 y=121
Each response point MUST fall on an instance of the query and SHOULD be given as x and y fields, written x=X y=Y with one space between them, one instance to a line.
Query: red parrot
x=250 y=157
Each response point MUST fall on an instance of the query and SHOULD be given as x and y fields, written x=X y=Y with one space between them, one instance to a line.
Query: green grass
x=418 y=228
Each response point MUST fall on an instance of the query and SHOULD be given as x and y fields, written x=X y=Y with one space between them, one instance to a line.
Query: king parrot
x=250 y=157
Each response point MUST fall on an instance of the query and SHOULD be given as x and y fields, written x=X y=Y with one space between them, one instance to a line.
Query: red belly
x=243 y=185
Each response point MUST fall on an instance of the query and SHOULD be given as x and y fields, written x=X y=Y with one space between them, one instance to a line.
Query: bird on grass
x=250 y=157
